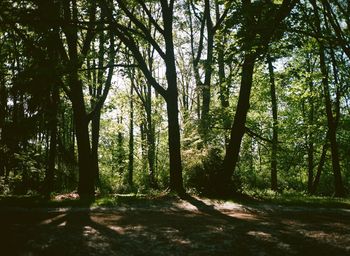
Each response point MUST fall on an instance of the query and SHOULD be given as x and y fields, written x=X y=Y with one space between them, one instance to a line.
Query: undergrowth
x=114 y=200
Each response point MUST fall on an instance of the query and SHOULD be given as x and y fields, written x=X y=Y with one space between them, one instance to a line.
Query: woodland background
x=211 y=97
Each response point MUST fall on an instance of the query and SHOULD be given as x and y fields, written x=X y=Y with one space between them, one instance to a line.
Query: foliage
x=105 y=78
x=294 y=198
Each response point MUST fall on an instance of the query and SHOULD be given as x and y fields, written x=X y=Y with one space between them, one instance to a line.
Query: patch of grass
x=115 y=200
x=292 y=198
x=68 y=201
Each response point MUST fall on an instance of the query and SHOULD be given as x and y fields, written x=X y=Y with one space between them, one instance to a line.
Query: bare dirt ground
x=175 y=227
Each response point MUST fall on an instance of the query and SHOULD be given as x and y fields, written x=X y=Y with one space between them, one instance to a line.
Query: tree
x=73 y=51
x=215 y=70
x=274 y=125
x=207 y=31
x=170 y=94
x=331 y=120
x=260 y=21
x=99 y=86
x=131 y=138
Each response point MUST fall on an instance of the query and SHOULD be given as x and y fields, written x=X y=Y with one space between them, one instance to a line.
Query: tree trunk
x=150 y=141
x=86 y=187
x=143 y=145
x=170 y=94
x=338 y=183
x=98 y=81
x=223 y=87
x=310 y=137
x=206 y=86
x=331 y=121
x=3 y=107
x=332 y=128
x=95 y=135
x=120 y=156
x=131 y=139
x=320 y=167
x=310 y=163
x=274 y=125
x=238 y=126
x=53 y=121
x=176 y=181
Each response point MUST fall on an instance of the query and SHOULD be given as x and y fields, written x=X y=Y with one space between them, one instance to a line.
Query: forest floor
x=173 y=226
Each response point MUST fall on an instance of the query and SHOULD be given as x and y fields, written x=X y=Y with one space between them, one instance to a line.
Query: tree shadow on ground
x=179 y=231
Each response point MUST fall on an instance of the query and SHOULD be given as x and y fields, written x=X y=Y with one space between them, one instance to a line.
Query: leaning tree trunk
x=320 y=166
x=331 y=121
x=256 y=40
x=332 y=127
x=309 y=132
x=238 y=126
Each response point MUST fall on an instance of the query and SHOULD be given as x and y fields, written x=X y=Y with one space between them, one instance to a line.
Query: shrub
x=202 y=169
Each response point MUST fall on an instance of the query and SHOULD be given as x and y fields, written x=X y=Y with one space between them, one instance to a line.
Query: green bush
x=202 y=169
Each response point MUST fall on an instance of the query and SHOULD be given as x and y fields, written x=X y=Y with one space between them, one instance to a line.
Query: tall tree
x=207 y=32
x=86 y=186
x=170 y=94
x=99 y=86
x=274 y=124
x=74 y=44
x=331 y=120
x=260 y=21
x=131 y=137
x=3 y=104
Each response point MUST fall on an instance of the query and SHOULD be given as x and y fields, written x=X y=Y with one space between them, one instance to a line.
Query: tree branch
x=149 y=14
x=141 y=26
x=110 y=66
